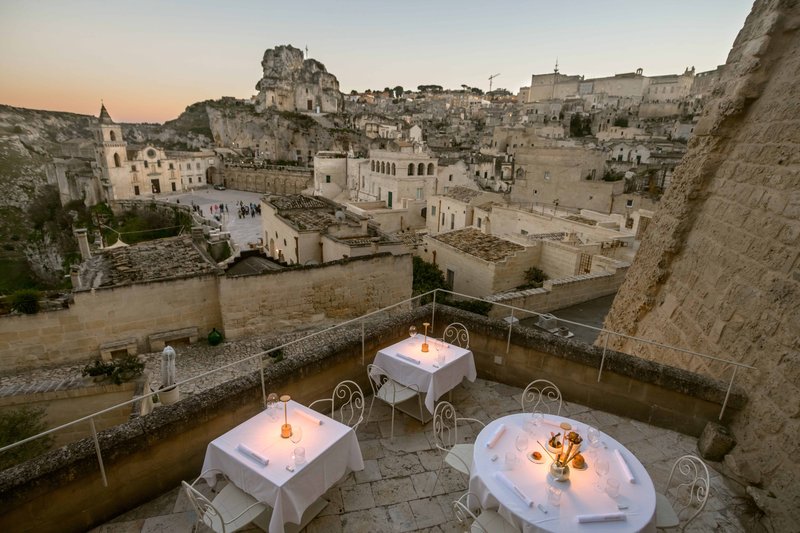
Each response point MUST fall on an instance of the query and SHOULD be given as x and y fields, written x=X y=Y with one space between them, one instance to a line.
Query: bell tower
x=111 y=156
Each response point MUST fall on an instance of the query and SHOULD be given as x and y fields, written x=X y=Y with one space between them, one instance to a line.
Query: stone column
x=74 y=276
x=83 y=243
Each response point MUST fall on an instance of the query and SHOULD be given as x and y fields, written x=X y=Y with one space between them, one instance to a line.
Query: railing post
x=727 y=394
x=263 y=385
x=433 y=310
x=603 y=359
x=510 y=325
x=363 y=336
x=99 y=455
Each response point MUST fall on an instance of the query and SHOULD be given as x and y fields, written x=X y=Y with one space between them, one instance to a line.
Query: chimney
x=197 y=235
x=83 y=243
x=74 y=276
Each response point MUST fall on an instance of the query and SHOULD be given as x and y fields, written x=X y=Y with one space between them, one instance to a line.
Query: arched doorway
x=212 y=175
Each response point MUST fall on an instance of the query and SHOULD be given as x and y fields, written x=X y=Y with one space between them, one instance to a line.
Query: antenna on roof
x=306 y=51
x=493 y=76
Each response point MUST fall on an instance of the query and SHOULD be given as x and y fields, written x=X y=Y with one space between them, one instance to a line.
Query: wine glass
x=601 y=467
x=538 y=419
x=594 y=439
x=521 y=442
x=412 y=331
x=529 y=426
x=272 y=406
x=297 y=434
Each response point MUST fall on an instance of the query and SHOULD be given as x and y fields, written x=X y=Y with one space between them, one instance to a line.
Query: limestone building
x=292 y=83
x=125 y=171
x=718 y=271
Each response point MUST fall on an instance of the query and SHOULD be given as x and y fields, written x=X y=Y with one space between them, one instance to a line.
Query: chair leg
x=370 y=408
x=436 y=479
x=392 y=432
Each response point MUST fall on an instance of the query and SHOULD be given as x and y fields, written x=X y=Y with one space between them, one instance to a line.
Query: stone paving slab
x=393 y=492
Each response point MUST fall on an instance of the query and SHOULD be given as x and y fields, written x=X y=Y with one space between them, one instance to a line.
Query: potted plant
x=168 y=393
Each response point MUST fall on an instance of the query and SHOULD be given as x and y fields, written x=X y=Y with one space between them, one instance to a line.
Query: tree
x=398 y=91
x=426 y=277
x=17 y=425
x=353 y=92
x=387 y=90
x=621 y=122
x=580 y=125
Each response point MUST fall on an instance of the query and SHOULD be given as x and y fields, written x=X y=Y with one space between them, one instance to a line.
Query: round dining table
x=515 y=484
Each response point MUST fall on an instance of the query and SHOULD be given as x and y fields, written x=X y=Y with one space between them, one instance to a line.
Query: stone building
x=300 y=230
x=718 y=271
x=126 y=171
x=454 y=209
x=292 y=83
x=400 y=177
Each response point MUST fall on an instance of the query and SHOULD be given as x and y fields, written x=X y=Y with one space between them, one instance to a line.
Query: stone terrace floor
x=392 y=492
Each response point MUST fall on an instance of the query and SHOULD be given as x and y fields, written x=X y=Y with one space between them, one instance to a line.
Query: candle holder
x=286 y=428
x=559 y=469
x=425 y=343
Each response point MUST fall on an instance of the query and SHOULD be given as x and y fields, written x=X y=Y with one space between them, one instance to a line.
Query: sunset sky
x=149 y=60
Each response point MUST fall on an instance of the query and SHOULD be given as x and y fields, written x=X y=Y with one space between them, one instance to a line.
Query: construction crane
x=493 y=76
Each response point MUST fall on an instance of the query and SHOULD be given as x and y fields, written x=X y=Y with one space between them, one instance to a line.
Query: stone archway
x=212 y=175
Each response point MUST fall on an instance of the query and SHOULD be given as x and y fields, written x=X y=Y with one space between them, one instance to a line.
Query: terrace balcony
x=128 y=479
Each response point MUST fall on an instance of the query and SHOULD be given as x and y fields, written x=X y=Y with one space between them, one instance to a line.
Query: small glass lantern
x=286 y=428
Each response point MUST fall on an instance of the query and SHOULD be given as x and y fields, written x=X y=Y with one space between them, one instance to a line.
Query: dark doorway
x=310 y=104
x=156 y=186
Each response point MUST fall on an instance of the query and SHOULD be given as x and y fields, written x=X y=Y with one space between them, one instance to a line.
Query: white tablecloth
x=331 y=452
x=431 y=379
x=578 y=496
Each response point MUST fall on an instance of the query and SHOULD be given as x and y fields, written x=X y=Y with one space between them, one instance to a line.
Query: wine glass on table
x=594 y=440
x=521 y=442
x=601 y=467
x=412 y=331
x=272 y=406
x=297 y=434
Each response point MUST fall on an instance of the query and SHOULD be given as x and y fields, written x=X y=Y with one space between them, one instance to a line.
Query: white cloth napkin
x=252 y=454
x=624 y=465
x=409 y=359
x=502 y=478
x=551 y=422
x=497 y=434
x=308 y=416
x=604 y=517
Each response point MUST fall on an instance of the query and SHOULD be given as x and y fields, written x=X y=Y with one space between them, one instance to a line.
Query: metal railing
x=361 y=321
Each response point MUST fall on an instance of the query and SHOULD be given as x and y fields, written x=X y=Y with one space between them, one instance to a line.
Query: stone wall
x=560 y=293
x=719 y=269
x=106 y=315
x=254 y=305
x=68 y=400
x=283 y=180
x=150 y=455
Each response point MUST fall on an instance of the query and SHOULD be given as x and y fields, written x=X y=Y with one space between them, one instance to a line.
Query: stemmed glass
x=272 y=406
x=521 y=443
x=594 y=440
x=601 y=467
x=538 y=418
x=412 y=331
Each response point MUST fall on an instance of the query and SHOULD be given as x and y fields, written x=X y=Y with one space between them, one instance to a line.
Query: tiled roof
x=474 y=242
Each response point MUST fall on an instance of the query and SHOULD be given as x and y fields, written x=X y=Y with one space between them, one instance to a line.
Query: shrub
x=473 y=306
x=118 y=370
x=25 y=301
x=19 y=424
x=535 y=275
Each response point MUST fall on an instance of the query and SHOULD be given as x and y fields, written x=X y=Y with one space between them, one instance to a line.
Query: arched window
x=117 y=162
x=383 y=167
x=430 y=169
x=421 y=169
x=394 y=169
x=411 y=169
x=372 y=164
x=112 y=135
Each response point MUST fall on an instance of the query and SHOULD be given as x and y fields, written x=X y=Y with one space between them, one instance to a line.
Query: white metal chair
x=390 y=391
x=346 y=404
x=689 y=493
x=457 y=334
x=485 y=521
x=541 y=395
x=454 y=452
x=231 y=509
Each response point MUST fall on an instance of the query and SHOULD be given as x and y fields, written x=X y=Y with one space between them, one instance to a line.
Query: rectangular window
x=158 y=163
x=173 y=187
x=479 y=222
x=146 y=165
x=199 y=179
x=327 y=179
x=190 y=180
x=629 y=203
x=197 y=166
x=451 y=278
x=136 y=190
x=433 y=210
x=419 y=193
x=452 y=220
x=547 y=174
x=523 y=231
x=450 y=178
x=133 y=168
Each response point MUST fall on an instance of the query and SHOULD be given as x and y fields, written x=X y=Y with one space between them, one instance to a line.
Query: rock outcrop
x=718 y=271
x=291 y=83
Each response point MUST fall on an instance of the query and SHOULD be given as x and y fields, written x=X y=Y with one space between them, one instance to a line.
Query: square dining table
x=331 y=450
x=407 y=364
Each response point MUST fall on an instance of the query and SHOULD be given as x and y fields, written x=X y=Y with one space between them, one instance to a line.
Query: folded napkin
x=551 y=422
x=497 y=434
x=501 y=477
x=252 y=454
x=605 y=517
x=308 y=416
x=625 y=470
x=409 y=359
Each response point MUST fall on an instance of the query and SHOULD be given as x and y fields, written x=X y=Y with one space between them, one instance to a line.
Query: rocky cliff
x=718 y=270
x=292 y=83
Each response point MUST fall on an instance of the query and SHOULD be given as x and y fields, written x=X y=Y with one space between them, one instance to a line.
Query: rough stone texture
x=718 y=271
x=715 y=442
